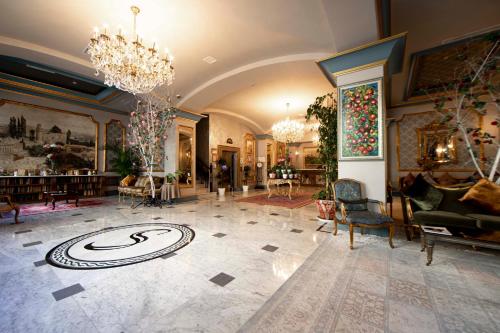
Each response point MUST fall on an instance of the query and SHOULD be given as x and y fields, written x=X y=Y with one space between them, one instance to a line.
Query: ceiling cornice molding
x=255 y=126
x=44 y=50
x=262 y=63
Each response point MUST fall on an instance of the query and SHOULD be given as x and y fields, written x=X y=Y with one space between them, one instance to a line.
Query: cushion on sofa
x=128 y=181
x=451 y=203
x=485 y=194
x=142 y=181
x=486 y=222
x=423 y=194
x=444 y=219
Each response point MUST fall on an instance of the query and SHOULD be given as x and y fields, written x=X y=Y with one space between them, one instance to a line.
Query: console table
x=277 y=182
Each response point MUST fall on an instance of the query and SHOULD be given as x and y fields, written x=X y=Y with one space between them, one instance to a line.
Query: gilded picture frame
x=76 y=133
x=114 y=134
x=361 y=121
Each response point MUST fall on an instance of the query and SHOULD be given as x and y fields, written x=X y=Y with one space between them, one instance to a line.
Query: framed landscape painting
x=361 y=121
x=34 y=137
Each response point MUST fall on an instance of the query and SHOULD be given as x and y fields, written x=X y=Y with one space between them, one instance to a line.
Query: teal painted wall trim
x=66 y=100
x=108 y=90
x=392 y=49
x=188 y=115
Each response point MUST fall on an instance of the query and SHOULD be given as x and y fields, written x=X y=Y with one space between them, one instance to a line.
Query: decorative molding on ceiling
x=248 y=67
x=253 y=125
x=44 y=50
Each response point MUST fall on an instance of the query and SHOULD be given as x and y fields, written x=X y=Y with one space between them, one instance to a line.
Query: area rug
x=375 y=289
x=40 y=208
x=297 y=201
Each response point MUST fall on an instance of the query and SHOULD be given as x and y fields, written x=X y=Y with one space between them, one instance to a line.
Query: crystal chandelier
x=128 y=64
x=287 y=130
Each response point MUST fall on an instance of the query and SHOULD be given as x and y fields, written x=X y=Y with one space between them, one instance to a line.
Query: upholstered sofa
x=140 y=188
x=448 y=211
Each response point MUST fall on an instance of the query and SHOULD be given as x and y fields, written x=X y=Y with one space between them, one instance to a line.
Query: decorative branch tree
x=148 y=131
x=476 y=86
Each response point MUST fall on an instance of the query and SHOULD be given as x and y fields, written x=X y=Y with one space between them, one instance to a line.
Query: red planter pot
x=326 y=209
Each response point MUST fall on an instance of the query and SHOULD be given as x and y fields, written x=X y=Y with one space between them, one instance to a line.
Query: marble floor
x=234 y=257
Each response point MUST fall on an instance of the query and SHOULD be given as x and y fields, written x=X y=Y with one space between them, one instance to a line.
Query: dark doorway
x=232 y=157
x=202 y=153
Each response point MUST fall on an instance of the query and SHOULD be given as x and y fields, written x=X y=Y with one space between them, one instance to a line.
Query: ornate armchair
x=6 y=205
x=352 y=209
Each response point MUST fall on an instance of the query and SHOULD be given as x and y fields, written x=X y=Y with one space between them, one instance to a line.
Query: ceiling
x=265 y=50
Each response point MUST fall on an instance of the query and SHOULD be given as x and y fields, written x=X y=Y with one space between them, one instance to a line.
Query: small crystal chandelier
x=129 y=65
x=287 y=130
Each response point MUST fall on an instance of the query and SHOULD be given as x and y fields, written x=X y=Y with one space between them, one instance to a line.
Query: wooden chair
x=352 y=209
x=6 y=205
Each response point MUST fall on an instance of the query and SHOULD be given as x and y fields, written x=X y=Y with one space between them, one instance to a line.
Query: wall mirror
x=311 y=158
x=437 y=145
x=185 y=156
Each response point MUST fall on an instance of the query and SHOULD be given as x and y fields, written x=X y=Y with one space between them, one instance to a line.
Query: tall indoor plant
x=324 y=110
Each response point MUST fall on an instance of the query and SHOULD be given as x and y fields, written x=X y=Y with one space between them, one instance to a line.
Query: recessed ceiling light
x=209 y=60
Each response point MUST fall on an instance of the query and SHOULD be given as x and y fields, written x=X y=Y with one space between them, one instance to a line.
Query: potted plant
x=171 y=177
x=272 y=174
x=324 y=110
x=124 y=161
x=246 y=174
x=221 y=176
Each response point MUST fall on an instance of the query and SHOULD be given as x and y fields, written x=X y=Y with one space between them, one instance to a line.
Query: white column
x=371 y=173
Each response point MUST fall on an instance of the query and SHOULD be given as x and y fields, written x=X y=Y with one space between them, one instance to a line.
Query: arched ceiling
x=265 y=50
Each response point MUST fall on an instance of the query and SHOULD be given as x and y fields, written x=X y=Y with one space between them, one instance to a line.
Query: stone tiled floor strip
x=250 y=268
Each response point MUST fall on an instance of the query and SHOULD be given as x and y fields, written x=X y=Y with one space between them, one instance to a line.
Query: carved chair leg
x=17 y=214
x=351 y=236
x=335 y=227
x=391 y=234
x=422 y=241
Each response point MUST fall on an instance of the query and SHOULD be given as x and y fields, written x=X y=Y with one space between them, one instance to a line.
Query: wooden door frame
x=221 y=148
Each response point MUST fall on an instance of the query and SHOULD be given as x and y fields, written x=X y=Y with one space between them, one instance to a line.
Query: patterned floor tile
x=451 y=283
x=346 y=324
x=457 y=324
x=364 y=306
x=404 y=318
x=449 y=305
x=373 y=265
x=369 y=282
x=409 y=293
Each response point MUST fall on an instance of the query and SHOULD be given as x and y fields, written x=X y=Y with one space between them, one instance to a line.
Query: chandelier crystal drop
x=287 y=130
x=128 y=64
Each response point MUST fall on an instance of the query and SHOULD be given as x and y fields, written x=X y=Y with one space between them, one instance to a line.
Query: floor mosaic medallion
x=119 y=246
